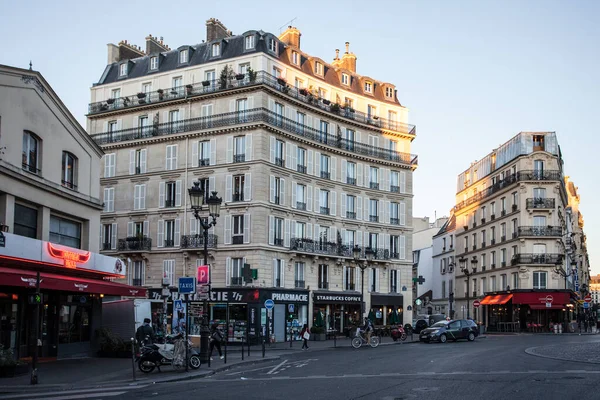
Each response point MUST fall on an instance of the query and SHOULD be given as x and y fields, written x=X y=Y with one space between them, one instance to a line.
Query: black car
x=450 y=330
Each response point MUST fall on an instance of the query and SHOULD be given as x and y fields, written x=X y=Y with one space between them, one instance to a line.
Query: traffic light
x=35 y=298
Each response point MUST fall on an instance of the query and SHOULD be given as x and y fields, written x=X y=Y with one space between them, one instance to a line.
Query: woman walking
x=216 y=337
x=305 y=333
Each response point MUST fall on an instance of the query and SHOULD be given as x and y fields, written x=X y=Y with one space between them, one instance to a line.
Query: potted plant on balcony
x=303 y=92
x=239 y=77
x=281 y=81
x=514 y=207
x=110 y=100
x=227 y=75
x=126 y=102
x=189 y=89
x=335 y=107
x=326 y=102
x=141 y=95
x=206 y=83
x=10 y=367
x=161 y=94
x=251 y=74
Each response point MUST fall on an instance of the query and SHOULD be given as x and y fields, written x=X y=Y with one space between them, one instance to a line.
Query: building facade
x=310 y=158
x=444 y=266
x=50 y=218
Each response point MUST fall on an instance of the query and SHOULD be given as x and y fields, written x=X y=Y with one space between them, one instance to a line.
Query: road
x=496 y=367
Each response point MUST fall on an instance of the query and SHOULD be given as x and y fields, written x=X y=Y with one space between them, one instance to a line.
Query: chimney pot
x=337 y=54
x=347 y=47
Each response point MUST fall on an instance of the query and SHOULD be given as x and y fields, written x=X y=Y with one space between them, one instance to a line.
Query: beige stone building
x=310 y=159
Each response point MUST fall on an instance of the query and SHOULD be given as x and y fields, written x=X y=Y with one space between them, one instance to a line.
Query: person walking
x=216 y=337
x=305 y=334
x=145 y=333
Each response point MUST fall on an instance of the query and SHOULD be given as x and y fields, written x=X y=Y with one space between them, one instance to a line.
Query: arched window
x=31 y=149
x=69 y=170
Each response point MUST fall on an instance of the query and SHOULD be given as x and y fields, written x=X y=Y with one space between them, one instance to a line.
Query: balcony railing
x=236 y=281
x=540 y=231
x=351 y=214
x=197 y=241
x=169 y=203
x=394 y=189
x=299 y=284
x=333 y=249
x=528 y=258
x=278 y=241
x=395 y=221
x=203 y=162
x=238 y=239
x=237 y=197
x=69 y=185
x=137 y=281
x=301 y=205
x=301 y=168
x=169 y=243
x=526 y=175
x=374 y=185
x=541 y=203
x=261 y=78
x=325 y=210
x=237 y=158
x=279 y=162
x=106 y=246
x=263 y=115
x=135 y=244
x=373 y=218
x=325 y=175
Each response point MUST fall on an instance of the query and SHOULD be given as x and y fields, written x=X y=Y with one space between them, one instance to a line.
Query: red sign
x=71 y=258
x=476 y=303
x=587 y=298
x=203 y=275
x=549 y=299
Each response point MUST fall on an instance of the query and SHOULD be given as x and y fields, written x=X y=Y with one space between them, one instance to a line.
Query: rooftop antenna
x=30 y=65
x=289 y=23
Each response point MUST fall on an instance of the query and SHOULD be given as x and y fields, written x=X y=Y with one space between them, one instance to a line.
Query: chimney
x=336 y=60
x=349 y=59
x=113 y=53
x=216 y=30
x=291 y=37
x=154 y=45
x=124 y=51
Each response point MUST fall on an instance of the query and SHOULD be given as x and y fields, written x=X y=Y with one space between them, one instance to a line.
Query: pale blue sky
x=473 y=73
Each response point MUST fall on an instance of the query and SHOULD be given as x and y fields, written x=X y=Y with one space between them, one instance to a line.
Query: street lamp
x=197 y=200
x=465 y=270
x=451 y=294
x=369 y=254
x=558 y=268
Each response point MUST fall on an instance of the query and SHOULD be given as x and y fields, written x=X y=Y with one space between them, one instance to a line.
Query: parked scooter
x=398 y=333
x=170 y=353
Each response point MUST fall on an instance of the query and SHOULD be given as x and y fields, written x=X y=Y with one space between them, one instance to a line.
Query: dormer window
x=183 y=56
x=216 y=49
x=249 y=42
x=369 y=87
x=123 y=69
x=318 y=68
x=295 y=58
x=389 y=92
x=272 y=45
x=345 y=79
x=154 y=63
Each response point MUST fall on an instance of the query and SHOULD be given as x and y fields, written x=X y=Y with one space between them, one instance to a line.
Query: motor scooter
x=154 y=356
x=398 y=333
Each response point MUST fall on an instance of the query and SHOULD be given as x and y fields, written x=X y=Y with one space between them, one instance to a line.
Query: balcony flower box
x=161 y=94
x=239 y=77
x=205 y=83
x=141 y=95
x=281 y=81
x=335 y=107
x=514 y=207
x=326 y=102
x=110 y=100
x=303 y=92
x=189 y=89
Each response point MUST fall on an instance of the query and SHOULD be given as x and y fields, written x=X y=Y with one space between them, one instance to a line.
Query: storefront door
x=279 y=322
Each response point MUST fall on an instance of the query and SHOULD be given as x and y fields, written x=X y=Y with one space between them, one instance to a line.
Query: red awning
x=540 y=298
x=27 y=278
x=496 y=299
x=543 y=307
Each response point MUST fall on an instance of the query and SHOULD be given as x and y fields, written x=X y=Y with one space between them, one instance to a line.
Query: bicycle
x=359 y=339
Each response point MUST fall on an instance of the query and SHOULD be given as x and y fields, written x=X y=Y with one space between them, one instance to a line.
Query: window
x=483 y=260
x=503 y=205
x=323 y=132
x=238 y=187
x=30 y=152
x=210 y=76
x=389 y=92
x=277 y=72
x=146 y=88
x=539 y=194
x=394 y=214
x=371 y=112
x=205 y=186
x=483 y=214
x=483 y=285
x=345 y=79
x=493 y=259
x=493 y=283
x=349 y=279
x=539 y=280
x=351 y=207
x=318 y=68
x=325 y=160
x=300 y=197
x=299 y=275
x=493 y=235
x=276 y=190
x=350 y=237
x=300 y=230
x=374 y=178
x=373 y=241
x=394 y=283
x=171 y=157
x=373 y=280
x=538 y=142
x=64 y=231
x=515 y=200
x=350 y=137
x=298 y=83
x=503 y=232
x=300 y=118
x=351 y=173
x=204 y=153
x=278 y=266
x=177 y=85
x=394 y=182
x=174 y=123
x=25 y=221
x=239 y=149
x=115 y=93
x=243 y=68
x=249 y=42
x=279 y=151
x=483 y=238
x=109 y=200
x=301 y=160
x=515 y=280
x=514 y=228
x=112 y=127
x=170 y=193
x=503 y=257
x=109 y=236
x=235 y=275
x=216 y=49
x=392 y=119
x=503 y=282
x=295 y=58
x=154 y=62
x=278 y=231
x=323 y=276
x=69 y=171
x=169 y=271
x=324 y=201
x=183 y=56
x=368 y=87
x=143 y=125
x=123 y=69
x=272 y=45
x=139 y=197
x=238 y=229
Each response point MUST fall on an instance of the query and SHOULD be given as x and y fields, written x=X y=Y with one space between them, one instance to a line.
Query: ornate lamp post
x=369 y=255
x=197 y=200
x=451 y=296
x=558 y=268
x=465 y=270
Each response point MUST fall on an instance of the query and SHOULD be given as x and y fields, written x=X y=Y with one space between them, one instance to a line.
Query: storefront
x=72 y=284
x=335 y=310
x=388 y=308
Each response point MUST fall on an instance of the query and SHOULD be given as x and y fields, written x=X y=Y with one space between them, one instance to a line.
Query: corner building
x=310 y=158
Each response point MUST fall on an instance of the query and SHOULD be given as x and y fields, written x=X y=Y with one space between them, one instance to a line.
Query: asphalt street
x=496 y=367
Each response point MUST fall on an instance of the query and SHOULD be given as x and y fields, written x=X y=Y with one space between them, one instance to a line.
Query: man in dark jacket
x=145 y=331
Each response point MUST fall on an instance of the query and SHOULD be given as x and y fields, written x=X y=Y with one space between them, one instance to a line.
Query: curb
x=531 y=352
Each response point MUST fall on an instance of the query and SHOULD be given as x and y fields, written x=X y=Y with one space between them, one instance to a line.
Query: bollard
x=248 y=344
x=291 y=340
x=263 y=347
x=133 y=358
x=334 y=340
x=242 y=349
x=226 y=351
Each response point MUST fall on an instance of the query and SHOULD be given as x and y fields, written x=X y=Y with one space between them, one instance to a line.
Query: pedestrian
x=145 y=333
x=585 y=323
x=305 y=334
x=591 y=322
x=216 y=337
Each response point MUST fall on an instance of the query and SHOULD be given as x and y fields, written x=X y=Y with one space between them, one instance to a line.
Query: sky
x=472 y=73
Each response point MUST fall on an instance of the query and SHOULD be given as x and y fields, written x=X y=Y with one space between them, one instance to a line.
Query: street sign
x=586 y=305
x=549 y=298
x=204 y=289
x=178 y=305
x=587 y=298
x=476 y=303
x=269 y=304
x=203 y=275
x=418 y=302
x=202 y=296
x=187 y=285
x=548 y=305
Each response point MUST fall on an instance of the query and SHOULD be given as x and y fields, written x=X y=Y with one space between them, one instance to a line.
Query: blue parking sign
x=187 y=285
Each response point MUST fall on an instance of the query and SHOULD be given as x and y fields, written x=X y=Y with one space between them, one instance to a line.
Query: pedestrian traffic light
x=35 y=298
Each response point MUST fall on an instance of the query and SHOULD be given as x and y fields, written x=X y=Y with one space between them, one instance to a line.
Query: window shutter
x=386 y=241
x=178 y=193
x=367 y=179
x=174 y=164
x=370 y=279
x=161 y=194
x=146 y=229
x=377 y=288
x=358 y=203
x=246 y=228
x=227 y=271
x=309 y=193
x=292 y=229
x=161 y=233
x=131 y=162
x=386 y=181
x=343 y=199
x=287 y=233
x=195 y=153
x=402 y=213
x=344 y=277
x=380 y=211
x=229 y=155
x=271 y=229
x=143 y=197
x=402 y=247
x=272 y=149
x=193 y=226
x=272 y=189
x=113 y=238
x=227 y=230
x=211 y=184
x=247 y=187
x=317 y=164
x=228 y=188
x=288 y=155
x=177 y=238
x=402 y=182
x=333 y=168
x=366 y=212
x=309 y=168
x=333 y=201
x=359 y=174
x=386 y=210
x=212 y=146
x=366 y=239
x=358 y=238
x=168 y=157
x=308 y=233
x=317 y=200
x=143 y=161
x=274 y=272
x=293 y=160
x=343 y=171
x=282 y=261
x=357 y=279
x=294 y=199
x=282 y=191
x=136 y=197
x=316 y=232
x=249 y=147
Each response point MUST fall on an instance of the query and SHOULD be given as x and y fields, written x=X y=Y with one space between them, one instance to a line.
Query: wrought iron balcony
x=278 y=241
x=237 y=197
x=137 y=281
x=351 y=181
x=237 y=158
x=169 y=243
x=203 y=162
x=276 y=200
x=395 y=221
x=279 y=162
x=350 y=214
x=325 y=210
x=135 y=244
x=541 y=203
x=197 y=241
x=301 y=205
x=260 y=78
x=106 y=246
x=325 y=175
x=301 y=168
x=394 y=189
x=256 y=115
x=299 y=284
x=373 y=218
x=374 y=185
x=236 y=281
x=540 y=231
x=169 y=203
x=529 y=258
x=237 y=239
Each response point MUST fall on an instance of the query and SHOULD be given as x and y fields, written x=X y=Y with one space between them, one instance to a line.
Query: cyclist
x=368 y=329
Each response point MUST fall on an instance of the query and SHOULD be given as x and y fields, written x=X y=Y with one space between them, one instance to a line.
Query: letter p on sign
x=203 y=275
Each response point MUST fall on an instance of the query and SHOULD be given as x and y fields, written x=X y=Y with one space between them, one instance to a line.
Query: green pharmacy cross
x=420 y=280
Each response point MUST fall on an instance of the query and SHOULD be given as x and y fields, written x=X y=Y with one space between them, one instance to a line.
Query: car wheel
x=443 y=338
x=471 y=336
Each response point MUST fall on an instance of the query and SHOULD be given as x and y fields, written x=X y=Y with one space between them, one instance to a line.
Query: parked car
x=420 y=325
x=423 y=321
x=443 y=331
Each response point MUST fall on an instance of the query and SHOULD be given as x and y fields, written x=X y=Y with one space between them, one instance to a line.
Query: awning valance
x=541 y=298
x=496 y=299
